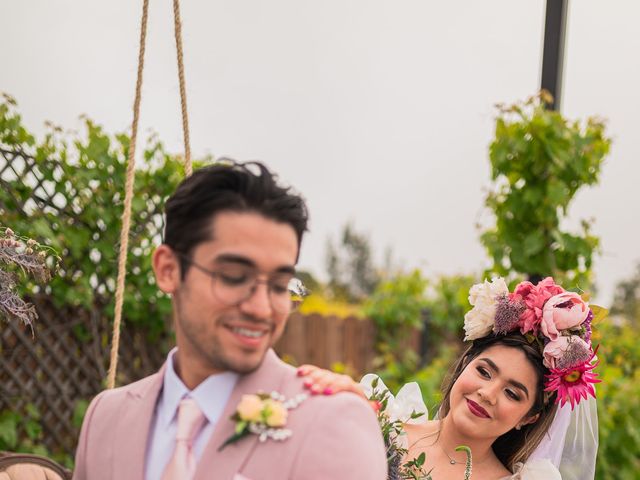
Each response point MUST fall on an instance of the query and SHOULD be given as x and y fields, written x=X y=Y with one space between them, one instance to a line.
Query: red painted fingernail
x=308 y=383
x=327 y=391
x=300 y=372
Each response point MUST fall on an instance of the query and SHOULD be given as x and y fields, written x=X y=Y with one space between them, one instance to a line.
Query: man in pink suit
x=231 y=242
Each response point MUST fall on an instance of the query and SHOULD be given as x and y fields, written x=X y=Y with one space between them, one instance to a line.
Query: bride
x=518 y=396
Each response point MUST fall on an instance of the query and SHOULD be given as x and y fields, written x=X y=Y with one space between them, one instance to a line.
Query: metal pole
x=555 y=27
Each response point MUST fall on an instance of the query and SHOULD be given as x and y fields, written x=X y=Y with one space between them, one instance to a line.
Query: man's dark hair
x=228 y=186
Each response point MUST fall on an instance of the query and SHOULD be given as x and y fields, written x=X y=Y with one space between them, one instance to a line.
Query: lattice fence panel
x=57 y=368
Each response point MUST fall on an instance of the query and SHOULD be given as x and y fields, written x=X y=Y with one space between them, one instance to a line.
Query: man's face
x=212 y=334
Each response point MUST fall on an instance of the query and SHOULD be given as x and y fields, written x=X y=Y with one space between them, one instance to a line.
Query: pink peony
x=566 y=351
x=561 y=312
x=534 y=298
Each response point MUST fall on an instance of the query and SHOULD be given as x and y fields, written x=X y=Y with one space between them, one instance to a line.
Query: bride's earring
x=518 y=427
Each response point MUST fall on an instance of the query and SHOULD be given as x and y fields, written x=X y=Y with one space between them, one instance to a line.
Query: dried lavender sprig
x=12 y=307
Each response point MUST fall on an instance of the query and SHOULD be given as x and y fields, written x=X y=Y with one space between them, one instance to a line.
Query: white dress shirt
x=211 y=396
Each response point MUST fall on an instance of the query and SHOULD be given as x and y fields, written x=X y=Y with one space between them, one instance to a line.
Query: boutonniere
x=265 y=415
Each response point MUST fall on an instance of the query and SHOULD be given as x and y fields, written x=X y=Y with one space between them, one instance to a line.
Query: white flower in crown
x=479 y=321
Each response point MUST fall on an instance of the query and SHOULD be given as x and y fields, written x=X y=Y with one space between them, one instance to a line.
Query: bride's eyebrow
x=515 y=383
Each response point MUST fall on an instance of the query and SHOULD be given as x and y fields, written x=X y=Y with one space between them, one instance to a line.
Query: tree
x=539 y=161
x=352 y=273
x=626 y=300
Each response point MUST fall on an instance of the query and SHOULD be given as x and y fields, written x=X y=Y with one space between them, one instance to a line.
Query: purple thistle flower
x=508 y=314
x=587 y=327
x=576 y=354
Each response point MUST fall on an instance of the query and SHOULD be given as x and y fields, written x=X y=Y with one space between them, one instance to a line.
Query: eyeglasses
x=234 y=284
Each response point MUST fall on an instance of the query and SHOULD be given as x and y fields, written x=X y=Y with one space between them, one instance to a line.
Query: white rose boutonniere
x=479 y=321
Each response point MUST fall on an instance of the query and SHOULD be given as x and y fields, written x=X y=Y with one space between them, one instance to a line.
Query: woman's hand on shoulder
x=320 y=381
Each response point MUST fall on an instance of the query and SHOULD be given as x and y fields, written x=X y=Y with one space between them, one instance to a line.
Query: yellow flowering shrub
x=319 y=304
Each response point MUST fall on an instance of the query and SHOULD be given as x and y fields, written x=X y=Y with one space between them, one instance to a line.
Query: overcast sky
x=379 y=112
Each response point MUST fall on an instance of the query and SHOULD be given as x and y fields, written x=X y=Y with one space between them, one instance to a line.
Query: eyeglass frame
x=300 y=290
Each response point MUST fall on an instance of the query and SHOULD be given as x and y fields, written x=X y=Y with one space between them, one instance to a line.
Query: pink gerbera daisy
x=573 y=383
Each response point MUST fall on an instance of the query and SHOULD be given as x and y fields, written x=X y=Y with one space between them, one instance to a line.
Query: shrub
x=539 y=161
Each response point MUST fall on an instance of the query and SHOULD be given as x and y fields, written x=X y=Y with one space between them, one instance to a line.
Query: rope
x=183 y=92
x=126 y=215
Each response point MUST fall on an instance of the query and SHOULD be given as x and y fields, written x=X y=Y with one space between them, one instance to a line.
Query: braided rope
x=183 y=92
x=126 y=215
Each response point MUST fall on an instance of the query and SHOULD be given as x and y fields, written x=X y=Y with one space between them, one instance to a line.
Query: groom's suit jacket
x=334 y=437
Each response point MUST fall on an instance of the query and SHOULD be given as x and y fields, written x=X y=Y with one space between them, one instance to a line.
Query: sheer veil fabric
x=571 y=444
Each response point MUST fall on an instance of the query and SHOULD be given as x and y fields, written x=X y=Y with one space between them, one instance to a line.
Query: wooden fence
x=325 y=341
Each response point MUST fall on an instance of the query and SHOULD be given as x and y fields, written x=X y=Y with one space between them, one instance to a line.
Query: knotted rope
x=126 y=215
x=183 y=93
x=130 y=175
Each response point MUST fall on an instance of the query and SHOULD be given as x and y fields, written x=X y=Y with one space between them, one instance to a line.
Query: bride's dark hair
x=515 y=445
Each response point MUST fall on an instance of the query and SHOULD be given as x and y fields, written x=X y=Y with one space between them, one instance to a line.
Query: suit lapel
x=133 y=428
x=268 y=377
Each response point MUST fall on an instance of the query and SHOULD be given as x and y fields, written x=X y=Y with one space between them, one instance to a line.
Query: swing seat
x=24 y=466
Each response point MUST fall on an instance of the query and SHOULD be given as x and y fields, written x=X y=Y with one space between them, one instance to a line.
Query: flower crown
x=557 y=320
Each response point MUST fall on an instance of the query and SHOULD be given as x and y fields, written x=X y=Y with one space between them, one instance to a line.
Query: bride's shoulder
x=419 y=429
x=421 y=434
x=539 y=469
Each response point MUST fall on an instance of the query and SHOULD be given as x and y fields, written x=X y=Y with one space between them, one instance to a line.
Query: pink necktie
x=183 y=462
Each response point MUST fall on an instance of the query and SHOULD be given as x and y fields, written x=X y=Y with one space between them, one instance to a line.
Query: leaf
x=534 y=243
x=33 y=429
x=234 y=438
x=241 y=426
x=8 y=430
x=599 y=313
x=467 y=470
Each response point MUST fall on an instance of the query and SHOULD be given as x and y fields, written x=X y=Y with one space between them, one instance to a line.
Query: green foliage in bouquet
x=539 y=161
x=392 y=430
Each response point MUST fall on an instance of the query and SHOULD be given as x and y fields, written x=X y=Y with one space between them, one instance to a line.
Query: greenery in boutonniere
x=392 y=429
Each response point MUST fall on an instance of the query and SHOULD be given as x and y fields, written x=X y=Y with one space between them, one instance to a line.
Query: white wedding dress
x=409 y=400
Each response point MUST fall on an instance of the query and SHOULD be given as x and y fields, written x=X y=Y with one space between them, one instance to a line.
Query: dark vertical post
x=555 y=27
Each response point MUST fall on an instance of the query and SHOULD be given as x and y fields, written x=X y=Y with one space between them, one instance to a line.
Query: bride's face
x=494 y=393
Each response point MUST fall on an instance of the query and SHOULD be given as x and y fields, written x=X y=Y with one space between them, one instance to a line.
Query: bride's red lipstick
x=477 y=410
